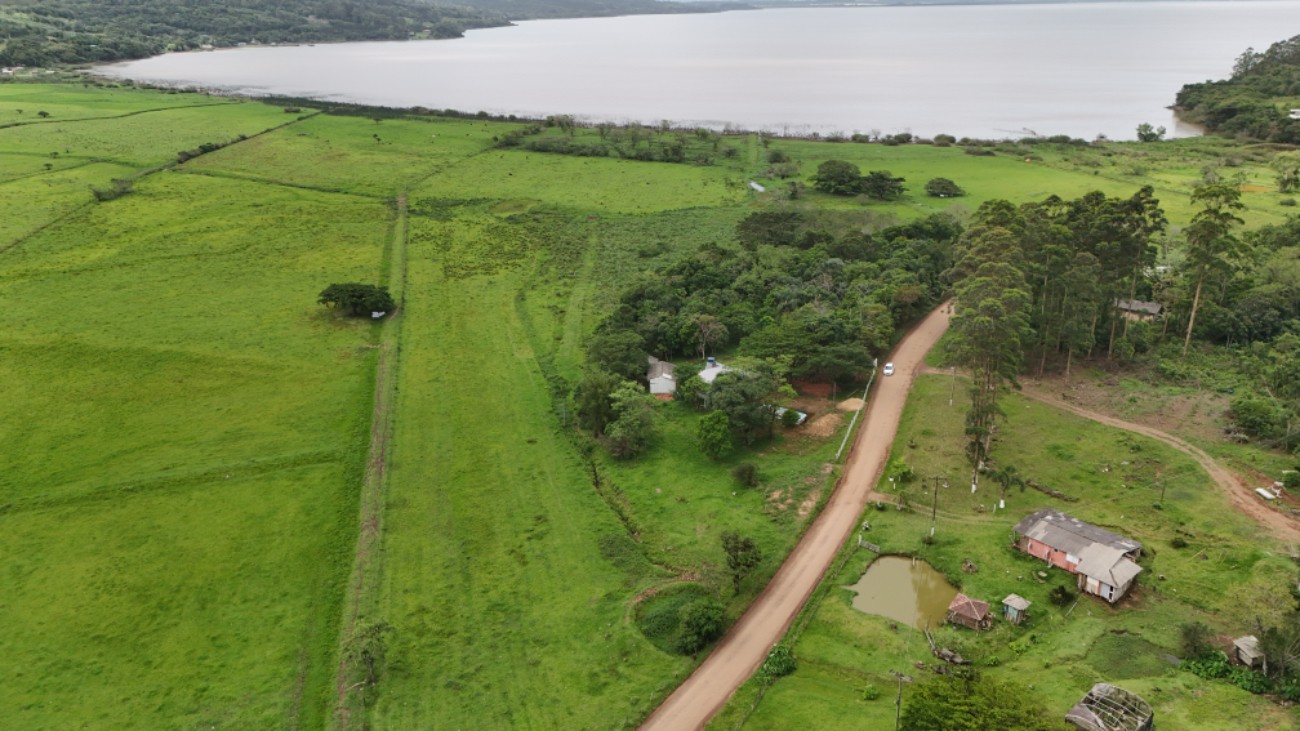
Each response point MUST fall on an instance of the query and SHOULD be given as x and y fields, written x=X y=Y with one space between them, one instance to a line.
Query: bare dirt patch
x=1195 y=414
x=824 y=425
x=852 y=404
x=809 y=503
x=813 y=388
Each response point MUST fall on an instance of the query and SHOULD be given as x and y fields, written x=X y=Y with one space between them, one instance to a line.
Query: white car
x=889 y=369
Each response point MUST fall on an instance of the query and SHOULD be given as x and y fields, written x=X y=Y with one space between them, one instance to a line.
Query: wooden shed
x=968 y=612
x=1015 y=608
x=1247 y=650
x=1111 y=708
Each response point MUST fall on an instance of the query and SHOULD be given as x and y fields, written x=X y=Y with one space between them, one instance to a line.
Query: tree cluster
x=358 y=300
x=839 y=177
x=1252 y=103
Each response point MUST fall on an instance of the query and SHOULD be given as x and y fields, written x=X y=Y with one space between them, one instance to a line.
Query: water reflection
x=909 y=592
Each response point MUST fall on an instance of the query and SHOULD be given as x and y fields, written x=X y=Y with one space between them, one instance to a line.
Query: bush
x=1061 y=596
x=702 y=622
x=1178 y=542
x=870 y=693
x=943 y=188
x=1196 y=640
x=746 y=474
x=1288 y=202
x=1249 y=680
x=779 y=663
x=1209 y=666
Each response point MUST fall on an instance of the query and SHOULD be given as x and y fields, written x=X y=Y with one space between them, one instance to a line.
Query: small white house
x=660 y=376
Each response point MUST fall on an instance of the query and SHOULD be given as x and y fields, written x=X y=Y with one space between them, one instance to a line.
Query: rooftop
x=1067 y=533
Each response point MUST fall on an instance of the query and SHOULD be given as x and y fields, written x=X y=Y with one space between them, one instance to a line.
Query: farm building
x=968 y=612
x=1103 y=561
x=1110 y=708
x=1137 y=310
x=660 y=376
x=1015 y=608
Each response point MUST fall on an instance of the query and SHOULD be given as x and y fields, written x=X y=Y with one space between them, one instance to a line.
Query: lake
x=978 y=70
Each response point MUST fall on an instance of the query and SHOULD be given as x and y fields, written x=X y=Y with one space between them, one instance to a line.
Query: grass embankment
x=1117 y=479
x=185 y=426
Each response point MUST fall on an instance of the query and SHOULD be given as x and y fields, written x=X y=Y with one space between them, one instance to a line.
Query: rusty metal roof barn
x=1067 y=533
x=1111 y=708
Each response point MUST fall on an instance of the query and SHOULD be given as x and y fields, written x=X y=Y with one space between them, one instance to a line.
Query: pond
x=905 y=590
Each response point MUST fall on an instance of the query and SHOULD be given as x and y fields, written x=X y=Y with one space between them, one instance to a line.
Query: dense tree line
x=1047 y=283
x=1253 y=102
x=801 y=293
x=47 y=32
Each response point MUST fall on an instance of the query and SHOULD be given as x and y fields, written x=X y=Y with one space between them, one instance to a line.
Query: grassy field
x=188 y=429
x=185 y=429
x=1059 y=654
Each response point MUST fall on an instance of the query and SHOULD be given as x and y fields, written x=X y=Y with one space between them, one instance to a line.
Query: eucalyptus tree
x=990 y=324
x=1211 y=245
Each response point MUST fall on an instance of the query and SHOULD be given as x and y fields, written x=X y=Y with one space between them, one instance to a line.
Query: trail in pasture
x=1239 y=493
x=744 y=648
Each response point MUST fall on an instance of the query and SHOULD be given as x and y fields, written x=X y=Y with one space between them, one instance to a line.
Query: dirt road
x=744 y=648
x=1239 y=493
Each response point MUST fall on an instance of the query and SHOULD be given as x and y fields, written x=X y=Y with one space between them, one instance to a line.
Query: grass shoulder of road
x=1117 y=478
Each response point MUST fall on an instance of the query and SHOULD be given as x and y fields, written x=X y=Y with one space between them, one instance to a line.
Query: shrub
x=1211 y=665
x=1061 y=596
x=943 y=188
x=779 y=663
x=870 y=693
x=1178 y=542
x=1289 y=202
x=702 y=622
x=1196 y=640
x=356 y=299
x=746 y=473
x=1249 y=680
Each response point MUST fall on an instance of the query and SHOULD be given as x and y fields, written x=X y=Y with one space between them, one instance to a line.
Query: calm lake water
x=982 y=71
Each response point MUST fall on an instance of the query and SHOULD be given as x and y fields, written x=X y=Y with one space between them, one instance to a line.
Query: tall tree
x=1211 y=245
x=743 y=555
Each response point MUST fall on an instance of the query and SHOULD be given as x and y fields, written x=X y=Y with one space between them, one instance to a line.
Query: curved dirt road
x=1239 y=493
x=745 y=647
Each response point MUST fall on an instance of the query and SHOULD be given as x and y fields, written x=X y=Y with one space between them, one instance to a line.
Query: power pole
x=898 y=702
x=952 y=394
x=934 y=505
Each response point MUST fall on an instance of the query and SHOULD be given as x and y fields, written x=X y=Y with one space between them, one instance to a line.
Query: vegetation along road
x=740 y=653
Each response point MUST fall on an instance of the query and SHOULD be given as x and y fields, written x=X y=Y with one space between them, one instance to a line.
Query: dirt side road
x=1239 y=493
x=745 y=647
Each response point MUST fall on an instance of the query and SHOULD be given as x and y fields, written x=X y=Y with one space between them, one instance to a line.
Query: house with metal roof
x=1108 y=707
x=660 y=376
x=1138 y=310
x=1105 y=562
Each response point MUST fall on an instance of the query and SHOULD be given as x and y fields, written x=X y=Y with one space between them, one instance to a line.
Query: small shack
x=1137 y=310
x=1015 y=608
x=968 y=612
x=1247 y=650
x=1111 y=708
x=660 y=376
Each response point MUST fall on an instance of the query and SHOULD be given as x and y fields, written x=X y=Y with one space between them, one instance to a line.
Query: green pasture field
x=594 y=184
x=354 y=154
x=143 y=140
x=178 y=507
x=505 y=567
x=35 y=201
x=1172 y=168
x=206 y=604
x=76 y=101
x=1059 y=654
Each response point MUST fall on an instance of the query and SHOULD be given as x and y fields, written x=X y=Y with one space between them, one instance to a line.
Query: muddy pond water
x=907 y=591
